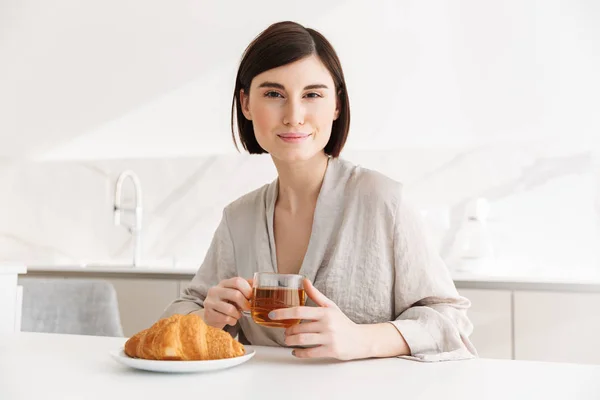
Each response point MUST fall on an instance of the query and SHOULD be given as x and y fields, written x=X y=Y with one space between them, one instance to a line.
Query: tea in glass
x=272 y=291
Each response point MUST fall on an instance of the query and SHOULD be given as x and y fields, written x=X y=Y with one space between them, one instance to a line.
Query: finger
x=219 y=307
x=311 y=313
x=313 y=352
x=213 y=317
x=240 y=284
x=236 y=297
x=306 y=339
x=227 y=309
x=319 y=298
x=309 y=327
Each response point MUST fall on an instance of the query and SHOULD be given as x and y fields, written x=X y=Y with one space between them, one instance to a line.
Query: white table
x=46 y=366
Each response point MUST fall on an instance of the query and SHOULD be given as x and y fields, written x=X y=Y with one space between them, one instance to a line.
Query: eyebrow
x=280 y=86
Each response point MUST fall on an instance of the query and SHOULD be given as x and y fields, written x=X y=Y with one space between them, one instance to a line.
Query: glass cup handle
x=249 y=313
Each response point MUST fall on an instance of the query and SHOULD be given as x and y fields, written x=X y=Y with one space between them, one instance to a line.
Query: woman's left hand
x=326 y=327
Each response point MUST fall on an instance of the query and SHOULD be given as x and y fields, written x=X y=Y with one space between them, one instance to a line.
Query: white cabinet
x=555 y=326
x=142 y=301
x=490 y=314
x=520 y=324
x=10 y=299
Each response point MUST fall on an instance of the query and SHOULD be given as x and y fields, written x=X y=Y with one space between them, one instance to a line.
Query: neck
x=300 y=182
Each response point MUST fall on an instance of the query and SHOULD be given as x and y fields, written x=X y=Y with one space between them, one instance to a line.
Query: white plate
x=180 y=366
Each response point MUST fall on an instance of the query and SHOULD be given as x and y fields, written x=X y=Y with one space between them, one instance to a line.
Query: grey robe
x=367 y=252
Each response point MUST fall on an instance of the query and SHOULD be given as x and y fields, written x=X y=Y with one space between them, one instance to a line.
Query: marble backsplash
x=544 y=198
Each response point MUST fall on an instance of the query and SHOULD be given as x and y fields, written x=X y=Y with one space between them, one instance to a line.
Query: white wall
x=494 y=99
x=133 y=78
x=543 y=219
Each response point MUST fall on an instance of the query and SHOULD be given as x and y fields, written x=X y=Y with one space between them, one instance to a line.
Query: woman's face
x=292 y=109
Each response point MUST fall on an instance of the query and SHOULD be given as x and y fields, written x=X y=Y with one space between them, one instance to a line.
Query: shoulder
x=247 y=205
x=371 y=186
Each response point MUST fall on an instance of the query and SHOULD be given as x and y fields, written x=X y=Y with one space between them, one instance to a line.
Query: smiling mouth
x=293 y=137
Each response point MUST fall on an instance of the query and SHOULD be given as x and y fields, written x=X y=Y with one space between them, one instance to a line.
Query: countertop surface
x=526 y=280
x=51 y=366
x=10 y=269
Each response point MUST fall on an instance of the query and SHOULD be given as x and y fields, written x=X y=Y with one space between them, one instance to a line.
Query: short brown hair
x=280 y=44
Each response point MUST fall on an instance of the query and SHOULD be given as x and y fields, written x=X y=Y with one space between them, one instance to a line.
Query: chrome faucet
x=136 y=228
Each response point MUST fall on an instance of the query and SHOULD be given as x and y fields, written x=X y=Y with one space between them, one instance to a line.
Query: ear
x=244 y=100
x=337 y=106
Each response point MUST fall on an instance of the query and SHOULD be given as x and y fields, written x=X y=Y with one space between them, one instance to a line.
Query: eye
x=313 y=95
x=273 y=95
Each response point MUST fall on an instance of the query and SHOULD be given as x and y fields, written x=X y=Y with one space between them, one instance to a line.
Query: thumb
x=319 y=298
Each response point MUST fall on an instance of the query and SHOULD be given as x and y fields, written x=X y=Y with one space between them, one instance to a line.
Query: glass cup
x=272 y=291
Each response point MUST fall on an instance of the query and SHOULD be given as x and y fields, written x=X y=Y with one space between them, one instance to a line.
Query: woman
x=379 y=289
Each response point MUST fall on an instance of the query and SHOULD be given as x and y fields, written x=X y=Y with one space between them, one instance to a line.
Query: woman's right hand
x=224 y=302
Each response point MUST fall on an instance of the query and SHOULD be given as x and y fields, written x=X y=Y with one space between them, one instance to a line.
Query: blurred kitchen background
x=488 y=111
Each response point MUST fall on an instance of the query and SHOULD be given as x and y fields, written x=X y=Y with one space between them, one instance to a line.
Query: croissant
x=183 y=338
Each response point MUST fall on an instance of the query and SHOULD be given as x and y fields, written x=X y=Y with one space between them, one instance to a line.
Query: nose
x=294 y=113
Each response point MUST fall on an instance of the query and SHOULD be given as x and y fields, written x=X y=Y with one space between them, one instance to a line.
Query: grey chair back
x=71 y=306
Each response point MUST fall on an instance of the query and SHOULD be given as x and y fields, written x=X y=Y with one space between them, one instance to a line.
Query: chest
x=292 y=236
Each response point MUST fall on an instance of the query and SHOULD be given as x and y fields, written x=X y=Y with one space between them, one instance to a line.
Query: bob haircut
x=280 y=44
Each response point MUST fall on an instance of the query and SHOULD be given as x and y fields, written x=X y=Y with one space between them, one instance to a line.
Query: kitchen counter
x=110 y=268
x=12 y=269
x=530 y=281
x=70 y=367
x=576 y=282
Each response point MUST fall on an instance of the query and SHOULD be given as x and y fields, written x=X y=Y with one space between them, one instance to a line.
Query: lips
x=293 y=137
